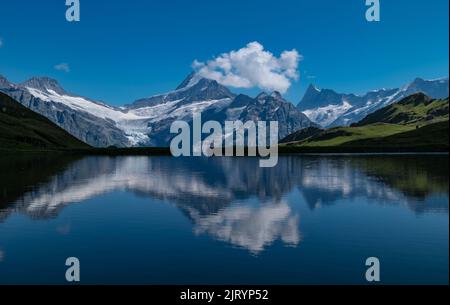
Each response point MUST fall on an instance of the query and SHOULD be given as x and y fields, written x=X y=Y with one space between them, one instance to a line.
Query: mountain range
x=69 y=179
x=147 y=121
x=328 y=108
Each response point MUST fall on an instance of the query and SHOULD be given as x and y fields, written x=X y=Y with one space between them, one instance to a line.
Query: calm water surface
x=163 y=220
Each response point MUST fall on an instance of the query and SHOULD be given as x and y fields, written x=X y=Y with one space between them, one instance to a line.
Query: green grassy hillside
x=432 y=135
x=417 y=123
x=23 y=129
x=417 y=109
x=343 y=135
x=301 y=135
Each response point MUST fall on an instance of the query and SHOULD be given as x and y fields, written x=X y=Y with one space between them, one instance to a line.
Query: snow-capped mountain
x=189 y=91
x=269 y=107
x=216 y=185
x=215 y=102
x=146 y=122
x=328 y=108
x=85 y=119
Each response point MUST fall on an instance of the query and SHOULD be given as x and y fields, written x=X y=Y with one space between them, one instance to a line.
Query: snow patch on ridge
x=81 y=104
x=328 y=114
x=134 y=123
x=130 y=123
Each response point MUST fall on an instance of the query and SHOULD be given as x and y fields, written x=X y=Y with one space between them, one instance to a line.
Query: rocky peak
x=190 y=90
x=276 y=95
x=44 y=84
x=186 y=82
x=262 y=95
x=4 y=83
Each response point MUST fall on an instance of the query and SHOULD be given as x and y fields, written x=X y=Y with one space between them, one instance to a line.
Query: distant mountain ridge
x=415 y=123
x=329 y=108
x=147 y=121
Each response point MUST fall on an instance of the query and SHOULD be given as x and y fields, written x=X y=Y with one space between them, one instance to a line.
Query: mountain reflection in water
x=230 y=199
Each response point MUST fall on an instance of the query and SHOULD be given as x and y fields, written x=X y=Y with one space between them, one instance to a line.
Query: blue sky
x=124 y=50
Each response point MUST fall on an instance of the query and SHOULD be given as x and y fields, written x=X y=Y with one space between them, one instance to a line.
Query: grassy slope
x=416 y=109
x=344 y=135
x=431 y=135
x=301 y=135
x=23 y=129
x=417 y=123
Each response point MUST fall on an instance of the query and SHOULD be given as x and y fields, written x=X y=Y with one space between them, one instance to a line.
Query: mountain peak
x=4 y=82
x=44 y=84
x=435 y=88
x=187 y=81
x=192 y=89
x=312 y=89
x=314 y=97
x=194 y=80
x=417 y=82
x=276 y=95
x=262 y=95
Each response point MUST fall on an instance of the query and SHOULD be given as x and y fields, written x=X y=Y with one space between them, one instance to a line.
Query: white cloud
x=63 y=67
x=252 y=66
x=252 y=228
